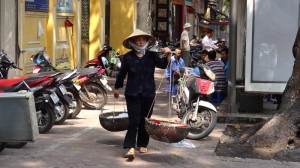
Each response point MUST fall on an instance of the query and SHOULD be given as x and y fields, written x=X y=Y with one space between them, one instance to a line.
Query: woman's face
x=140 y=40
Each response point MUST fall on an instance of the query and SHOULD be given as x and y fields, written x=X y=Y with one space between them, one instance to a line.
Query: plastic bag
x=182 y=144
x=209 y=73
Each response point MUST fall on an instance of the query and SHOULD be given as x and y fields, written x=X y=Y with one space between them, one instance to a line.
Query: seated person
x=195 y=41
x=220 y=73
x=174 y=71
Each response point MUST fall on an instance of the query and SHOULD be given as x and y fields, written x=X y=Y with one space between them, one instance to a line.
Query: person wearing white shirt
x=185 y=43
x=207 y=42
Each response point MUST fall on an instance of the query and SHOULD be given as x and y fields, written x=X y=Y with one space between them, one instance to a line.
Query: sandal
x=130 y=154
x=143 y=150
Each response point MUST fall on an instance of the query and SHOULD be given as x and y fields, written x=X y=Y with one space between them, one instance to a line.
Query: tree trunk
x=142 y=15
x=283 y=127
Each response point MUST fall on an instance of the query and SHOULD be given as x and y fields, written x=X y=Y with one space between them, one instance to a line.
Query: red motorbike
x=108 y=59
x=48 y=104
x=92 y=92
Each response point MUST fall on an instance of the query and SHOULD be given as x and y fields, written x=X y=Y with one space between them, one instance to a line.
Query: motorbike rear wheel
x=2 y=146
x=15 y=144
x=97 y=98
x=63 y=114
x=205 y=122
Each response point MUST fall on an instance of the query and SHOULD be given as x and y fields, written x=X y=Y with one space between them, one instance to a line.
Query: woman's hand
x=116 y=93
x=166 y=50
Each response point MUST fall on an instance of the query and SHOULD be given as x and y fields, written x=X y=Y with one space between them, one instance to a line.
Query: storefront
x=169 y=16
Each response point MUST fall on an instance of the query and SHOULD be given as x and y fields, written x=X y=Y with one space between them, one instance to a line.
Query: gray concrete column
x=232 y=57
x=142 y=15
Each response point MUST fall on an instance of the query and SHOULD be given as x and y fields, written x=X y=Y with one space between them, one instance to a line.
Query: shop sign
x=178 y=2
x=188 y=2
x=64 y=6
x=37 y=5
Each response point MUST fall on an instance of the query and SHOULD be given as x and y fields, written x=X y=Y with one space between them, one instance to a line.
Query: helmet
x=40 y=58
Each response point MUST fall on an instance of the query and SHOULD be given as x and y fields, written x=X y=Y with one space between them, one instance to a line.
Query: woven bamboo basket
x=166 y=131
x=114 y=121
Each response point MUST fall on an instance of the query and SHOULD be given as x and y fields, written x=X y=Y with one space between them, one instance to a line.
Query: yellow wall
x=122 y=22
x=49 y=31
x=32 y=42
x=60 y=42
x=97 y=23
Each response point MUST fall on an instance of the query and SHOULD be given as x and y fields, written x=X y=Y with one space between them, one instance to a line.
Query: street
x=83 y=143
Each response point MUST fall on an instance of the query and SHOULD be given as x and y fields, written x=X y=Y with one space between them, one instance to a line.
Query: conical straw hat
x=136 y=33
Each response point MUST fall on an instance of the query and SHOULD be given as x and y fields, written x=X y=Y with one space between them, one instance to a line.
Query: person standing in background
x=207 y=42
x=185 y=43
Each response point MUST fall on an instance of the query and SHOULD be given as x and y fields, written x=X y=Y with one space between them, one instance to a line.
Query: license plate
x=77 y=86
x=63 y=89
x=54 y=98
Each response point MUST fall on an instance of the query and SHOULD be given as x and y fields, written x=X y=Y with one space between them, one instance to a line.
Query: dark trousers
x=186 y=58
x=138 y=109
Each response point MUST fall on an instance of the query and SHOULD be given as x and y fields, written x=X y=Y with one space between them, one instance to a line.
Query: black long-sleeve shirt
x=140 y=72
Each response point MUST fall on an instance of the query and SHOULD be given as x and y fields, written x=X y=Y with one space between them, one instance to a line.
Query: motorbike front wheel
x=2 y=146
x=63 y=114
x=77 y=103
x=205 y=123
x=97 y=96
x=46 y=120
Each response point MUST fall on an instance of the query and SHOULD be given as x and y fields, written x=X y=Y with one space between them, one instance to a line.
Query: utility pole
x=143 y=15
x=232 y=57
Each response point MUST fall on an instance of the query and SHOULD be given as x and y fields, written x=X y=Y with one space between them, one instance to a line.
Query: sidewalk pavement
x=83 y=143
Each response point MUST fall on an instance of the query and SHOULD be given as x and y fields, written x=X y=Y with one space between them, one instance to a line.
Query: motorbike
x=91 y=92
x=192 y=107
x=54 y=82
x=173 y=45
x=108 y=59
x=58 y=86
x=46 y=104
x=94 y=95
x=46 y=100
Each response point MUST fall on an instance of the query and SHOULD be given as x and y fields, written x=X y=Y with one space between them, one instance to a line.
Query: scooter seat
x=87 y=71
x=12 y=81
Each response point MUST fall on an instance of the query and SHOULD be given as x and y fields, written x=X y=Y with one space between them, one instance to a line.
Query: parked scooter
x=92 y=92
x=46 y=100
x=54 y=82
x=58 y=86
x=94 y=95
x=108 y=59
x=192 y=106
